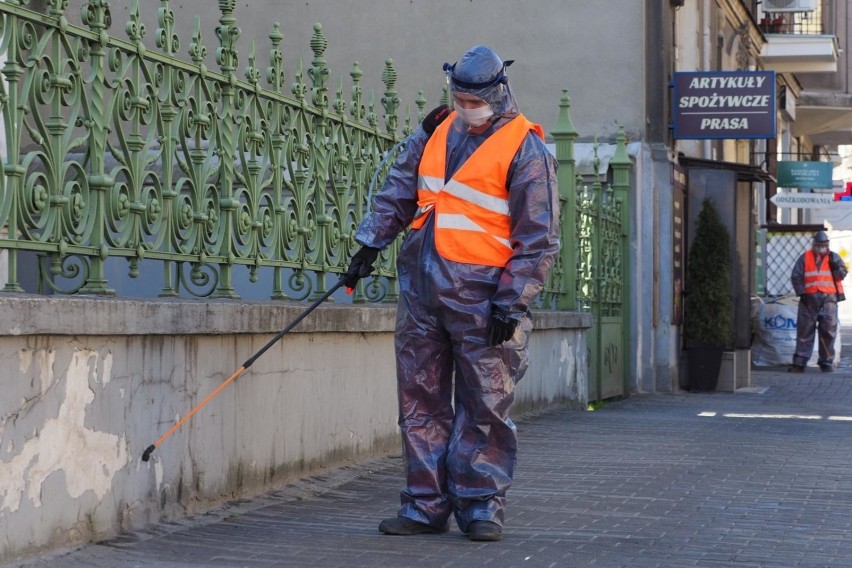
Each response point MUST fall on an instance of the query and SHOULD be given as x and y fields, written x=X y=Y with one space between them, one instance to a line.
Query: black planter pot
x=704 y=364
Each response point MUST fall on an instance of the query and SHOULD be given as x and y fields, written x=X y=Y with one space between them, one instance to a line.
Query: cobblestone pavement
x=761 y=478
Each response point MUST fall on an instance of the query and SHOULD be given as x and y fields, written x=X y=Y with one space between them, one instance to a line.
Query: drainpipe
x=705 y=61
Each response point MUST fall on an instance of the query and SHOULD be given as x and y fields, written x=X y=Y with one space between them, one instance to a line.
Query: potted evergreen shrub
x=708 y=305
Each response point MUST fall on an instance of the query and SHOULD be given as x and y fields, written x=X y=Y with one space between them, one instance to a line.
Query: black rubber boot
x=796 y=369
x=484 y=531
x=403 y=526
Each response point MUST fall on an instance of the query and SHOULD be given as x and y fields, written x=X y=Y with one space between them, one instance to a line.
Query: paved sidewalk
x=741 y=479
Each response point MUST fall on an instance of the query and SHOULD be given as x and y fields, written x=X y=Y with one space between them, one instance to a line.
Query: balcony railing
x=800 y=42
x=799 y=23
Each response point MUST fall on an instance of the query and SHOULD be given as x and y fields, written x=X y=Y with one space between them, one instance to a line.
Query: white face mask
x=474 y=117
x=821 y=249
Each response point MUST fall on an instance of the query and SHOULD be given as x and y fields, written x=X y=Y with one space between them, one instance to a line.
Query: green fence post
x=596 y=237
x=13 y=73
x=96 y=15
x=275 y=78
x=167 y=40
x=319 y=97
x=564 y=134
x=390 y=102
x=227 y=58
x=621 y=166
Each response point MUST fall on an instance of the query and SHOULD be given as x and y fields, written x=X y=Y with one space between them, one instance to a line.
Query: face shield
x=481 y=73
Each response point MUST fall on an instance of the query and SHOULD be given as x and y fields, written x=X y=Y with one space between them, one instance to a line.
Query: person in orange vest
x=817 y=279
x=481 y=200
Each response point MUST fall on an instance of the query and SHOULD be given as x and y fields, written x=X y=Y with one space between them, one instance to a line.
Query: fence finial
x=390 y=101
x=358 y=110
x=275 y=71
x=621 y=163
x=420 y=101
x=57 y=7
x=197 y=51
x=319 y=70
x=166 y=38
x=96 y=15
x=134 y=28
x=228 y=33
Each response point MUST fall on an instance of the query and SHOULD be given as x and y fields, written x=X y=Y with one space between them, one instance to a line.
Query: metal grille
x=782 y=251
x=599 y=239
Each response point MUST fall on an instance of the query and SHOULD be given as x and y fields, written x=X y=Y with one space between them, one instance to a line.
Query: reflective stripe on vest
x=820 y=279
x=472 y=221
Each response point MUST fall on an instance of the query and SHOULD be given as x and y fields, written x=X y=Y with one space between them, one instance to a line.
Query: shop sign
x=724 y=104
x=802 y=200
x=805 y=175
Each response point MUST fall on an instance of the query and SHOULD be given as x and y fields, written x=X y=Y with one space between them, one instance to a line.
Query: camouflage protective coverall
x=454 y=389
x=816 y=316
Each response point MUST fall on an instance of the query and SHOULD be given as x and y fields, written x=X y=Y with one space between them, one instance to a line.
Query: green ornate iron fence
x=120 y=153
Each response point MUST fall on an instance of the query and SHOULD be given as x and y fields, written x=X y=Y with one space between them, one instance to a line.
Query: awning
x=745 y=172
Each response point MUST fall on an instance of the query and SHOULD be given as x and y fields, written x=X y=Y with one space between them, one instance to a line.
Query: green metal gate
x=595 y=241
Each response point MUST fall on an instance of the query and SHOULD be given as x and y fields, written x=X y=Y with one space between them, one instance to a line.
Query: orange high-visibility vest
x=819 y=279
x=472 y=221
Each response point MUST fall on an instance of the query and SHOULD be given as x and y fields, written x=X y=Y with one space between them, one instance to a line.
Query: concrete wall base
x=89 y=383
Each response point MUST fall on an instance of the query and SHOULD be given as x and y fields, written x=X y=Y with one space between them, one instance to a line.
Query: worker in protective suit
x=817 y=279
x=481 y=199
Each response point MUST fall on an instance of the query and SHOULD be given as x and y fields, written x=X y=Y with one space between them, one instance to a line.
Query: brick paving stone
x=757 y=479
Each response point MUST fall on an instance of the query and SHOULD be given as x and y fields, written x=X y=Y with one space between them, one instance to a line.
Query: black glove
x=360 y=266
x=501 y=327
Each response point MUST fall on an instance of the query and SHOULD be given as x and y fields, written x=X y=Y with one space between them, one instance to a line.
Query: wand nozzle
x=147 y=455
